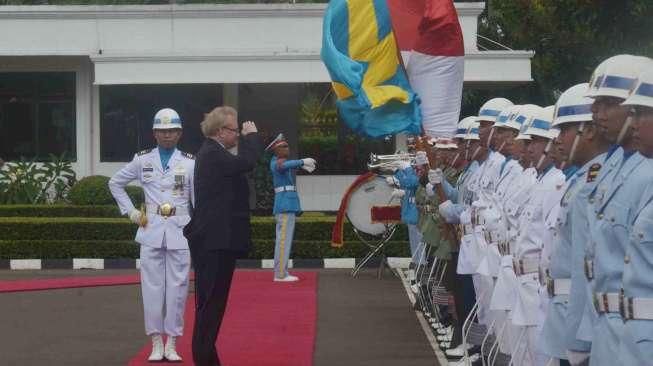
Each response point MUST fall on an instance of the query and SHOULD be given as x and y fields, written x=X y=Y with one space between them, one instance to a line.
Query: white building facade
x=86 y=80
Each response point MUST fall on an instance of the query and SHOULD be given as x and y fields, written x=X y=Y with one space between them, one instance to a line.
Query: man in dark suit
x=219 y=230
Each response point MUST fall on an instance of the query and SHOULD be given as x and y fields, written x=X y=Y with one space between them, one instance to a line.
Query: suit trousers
x=213 y=274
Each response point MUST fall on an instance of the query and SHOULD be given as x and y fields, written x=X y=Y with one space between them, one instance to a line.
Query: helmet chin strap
x=478 y=148
x=467 y=150
x=500 y=149
x=574 y=146
x=543 y=156
x=624 y=129
x=454 y=160
x=489 y=138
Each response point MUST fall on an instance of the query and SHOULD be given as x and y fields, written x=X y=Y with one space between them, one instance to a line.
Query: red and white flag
x=432 y=48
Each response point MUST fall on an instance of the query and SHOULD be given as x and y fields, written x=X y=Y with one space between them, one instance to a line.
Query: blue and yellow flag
x=361 y=54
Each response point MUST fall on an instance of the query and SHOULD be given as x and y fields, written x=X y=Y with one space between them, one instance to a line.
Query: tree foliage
x=569 y=37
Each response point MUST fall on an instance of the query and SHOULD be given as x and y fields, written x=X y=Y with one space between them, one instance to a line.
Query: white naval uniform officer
x=166 y=175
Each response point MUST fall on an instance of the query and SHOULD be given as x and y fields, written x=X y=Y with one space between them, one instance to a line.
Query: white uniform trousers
x=164 y=282
x=416 y=245
x=283 y=243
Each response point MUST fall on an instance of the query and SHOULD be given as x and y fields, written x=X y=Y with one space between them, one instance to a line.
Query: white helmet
x=573 y=106
x=166 y=119
x=525 y=117
x=492 y=108
x=642 y=93
x=472 y=131
x=514 y=119
x=463 y=126
x=540 y=125
x=616 y=76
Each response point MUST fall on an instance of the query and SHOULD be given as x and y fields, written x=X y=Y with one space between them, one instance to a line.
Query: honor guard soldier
x=615 y=198
x=516 y=194
x=531 y=237
x=286 y=203
x=636 y=300
x=166 y=175
x=574 y=146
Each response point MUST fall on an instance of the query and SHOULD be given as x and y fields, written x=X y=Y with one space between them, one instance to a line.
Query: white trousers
x=164 y=282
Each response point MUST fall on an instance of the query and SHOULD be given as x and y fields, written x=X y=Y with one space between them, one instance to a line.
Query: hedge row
x=59 y=211
x=67 y=228
x=263 y=249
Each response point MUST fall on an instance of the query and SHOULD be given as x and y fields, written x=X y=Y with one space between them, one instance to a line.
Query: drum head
x=375 y=192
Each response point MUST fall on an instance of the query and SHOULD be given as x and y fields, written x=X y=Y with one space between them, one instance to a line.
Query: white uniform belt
x=589 y=269
x=504 y=247
x=526 y=266
x=606 y=302
x=174 y=211
x=558 y=286
x=636 y=308
x=492 y=236
x=284 y=189
x=468 y=229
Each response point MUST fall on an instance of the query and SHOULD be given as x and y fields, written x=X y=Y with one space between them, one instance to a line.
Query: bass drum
x=374 y=195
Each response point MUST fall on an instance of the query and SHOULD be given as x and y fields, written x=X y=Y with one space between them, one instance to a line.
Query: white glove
x=576 y=358
x=309 y=164
x=421 y=158
x=430 y=190
x=309 y=161
x=403 y=164
x=466 y=217
x=398 y=193
x=444 y=206
x=392 y=181
x=135 y=216
x=435 y=176
x=248 y=127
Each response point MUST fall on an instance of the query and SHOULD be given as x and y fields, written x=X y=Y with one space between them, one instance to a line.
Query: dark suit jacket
x=220 y=219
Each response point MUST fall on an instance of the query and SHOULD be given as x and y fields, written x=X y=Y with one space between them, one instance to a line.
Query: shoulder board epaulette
x=144 y=152
x=188 y=155
x=593 y=172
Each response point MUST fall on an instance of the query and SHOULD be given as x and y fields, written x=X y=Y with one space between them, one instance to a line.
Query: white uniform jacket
x=173 y=185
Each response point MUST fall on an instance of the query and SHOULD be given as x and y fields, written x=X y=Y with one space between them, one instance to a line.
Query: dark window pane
x=37 y=115
x=305 y=113
x=126 y=113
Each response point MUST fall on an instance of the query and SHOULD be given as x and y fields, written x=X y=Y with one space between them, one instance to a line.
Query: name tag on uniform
x=148 y=169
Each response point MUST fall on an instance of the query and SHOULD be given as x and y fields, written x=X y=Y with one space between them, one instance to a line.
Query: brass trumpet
x=389 y=163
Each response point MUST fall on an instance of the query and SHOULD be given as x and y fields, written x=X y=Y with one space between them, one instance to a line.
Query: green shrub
x=94 y=190
x=263 y=249
x=309 y=228
x=91 y=190
x=58 y=211
x=64 y=249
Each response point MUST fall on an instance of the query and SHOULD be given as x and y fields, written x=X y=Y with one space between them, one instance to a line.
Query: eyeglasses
x=234 y=130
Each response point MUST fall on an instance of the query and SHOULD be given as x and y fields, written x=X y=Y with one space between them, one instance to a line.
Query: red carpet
x=266 y=323
x=67 y=282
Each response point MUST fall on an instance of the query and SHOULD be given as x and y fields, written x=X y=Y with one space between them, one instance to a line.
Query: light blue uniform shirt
x=408 y=181
x=287 y=200
x=558 y=335
x=637 y=339
x=614 y=206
